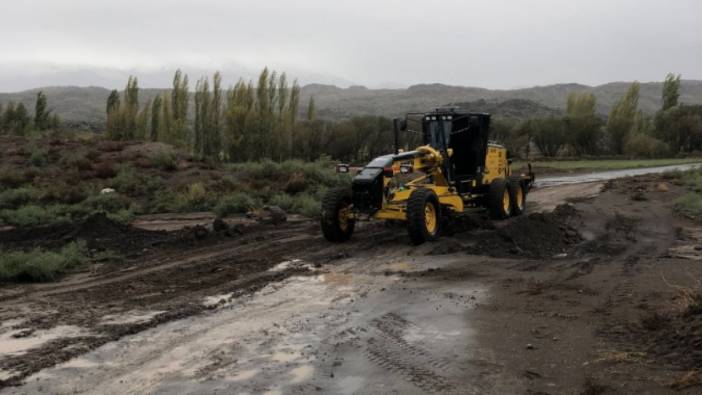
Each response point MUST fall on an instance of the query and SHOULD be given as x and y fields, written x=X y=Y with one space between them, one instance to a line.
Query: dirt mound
x=538 y=235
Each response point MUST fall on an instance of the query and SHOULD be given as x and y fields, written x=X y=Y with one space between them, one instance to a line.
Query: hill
x=84 y=106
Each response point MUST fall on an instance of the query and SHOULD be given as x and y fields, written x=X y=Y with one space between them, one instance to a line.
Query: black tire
x=418 y=227
x=517 y=194
x=333 y=228
x=497 y=208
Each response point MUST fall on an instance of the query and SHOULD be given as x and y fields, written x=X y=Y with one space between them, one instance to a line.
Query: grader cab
x=456 y=170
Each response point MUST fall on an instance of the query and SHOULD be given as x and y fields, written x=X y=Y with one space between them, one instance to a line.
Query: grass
x=603 y=164
x=40 y=265
x=690 y=204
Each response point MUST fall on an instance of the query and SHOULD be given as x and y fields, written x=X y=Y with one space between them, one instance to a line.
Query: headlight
x=342 y=168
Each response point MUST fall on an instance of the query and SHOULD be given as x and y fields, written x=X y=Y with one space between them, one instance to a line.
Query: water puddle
x=130 y=317
x=302 y=374
x=16 y=342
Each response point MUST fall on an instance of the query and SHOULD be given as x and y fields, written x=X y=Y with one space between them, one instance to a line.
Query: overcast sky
x=493 y=44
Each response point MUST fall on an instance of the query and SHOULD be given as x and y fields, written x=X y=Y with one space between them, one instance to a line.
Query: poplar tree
x=41 y=114
x=155 y=118
x=311 y=111
x=179 y=111
x=214 y=141
x=142 y=122
x=622 y=118
x=671 y=91
x=584 y=127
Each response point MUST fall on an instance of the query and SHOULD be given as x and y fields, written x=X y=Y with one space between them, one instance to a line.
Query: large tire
x=423 y=216
x=336 y=226
x=518 y=194
x=499 y=202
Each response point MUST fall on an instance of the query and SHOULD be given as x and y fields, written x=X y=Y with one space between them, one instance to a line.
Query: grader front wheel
x=423 y=216
x=337 y=222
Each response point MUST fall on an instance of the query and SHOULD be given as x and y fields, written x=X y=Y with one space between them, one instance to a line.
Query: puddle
x=10 y=345
x=302 y=374
x=611 y=174
x=6 y=375
x=130 y=317
x=401 y=267
x=336 y=278
x=350 y=384
x=245 y=375
x=291 y=264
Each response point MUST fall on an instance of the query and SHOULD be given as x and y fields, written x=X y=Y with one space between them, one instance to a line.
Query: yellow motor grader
x=456 y=170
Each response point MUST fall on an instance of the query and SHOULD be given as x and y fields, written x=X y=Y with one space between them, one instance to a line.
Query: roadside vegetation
x=690 y=204
x=39 y=264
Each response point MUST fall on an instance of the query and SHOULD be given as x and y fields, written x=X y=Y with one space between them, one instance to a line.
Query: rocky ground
x=595 y=291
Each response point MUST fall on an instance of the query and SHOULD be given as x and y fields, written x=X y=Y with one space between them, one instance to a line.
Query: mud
x=596 y=296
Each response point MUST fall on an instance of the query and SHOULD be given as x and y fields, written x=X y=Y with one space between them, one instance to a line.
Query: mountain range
x=85 y=106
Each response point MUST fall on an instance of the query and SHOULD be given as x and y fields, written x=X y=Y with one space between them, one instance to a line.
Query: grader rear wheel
x=517 y=195
x=499 y=199
x=423 y=216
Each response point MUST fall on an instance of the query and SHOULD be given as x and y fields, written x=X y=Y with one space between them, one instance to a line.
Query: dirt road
x=570 y=299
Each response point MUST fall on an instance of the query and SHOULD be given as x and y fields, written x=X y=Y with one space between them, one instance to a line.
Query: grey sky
x=493 y=44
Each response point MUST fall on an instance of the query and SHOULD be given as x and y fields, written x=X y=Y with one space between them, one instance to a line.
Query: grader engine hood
x=367 y=186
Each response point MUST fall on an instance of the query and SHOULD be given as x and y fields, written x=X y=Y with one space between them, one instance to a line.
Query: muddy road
x=592 y=297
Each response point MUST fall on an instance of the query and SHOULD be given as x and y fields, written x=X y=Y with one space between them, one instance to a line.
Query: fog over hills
x=86 y=105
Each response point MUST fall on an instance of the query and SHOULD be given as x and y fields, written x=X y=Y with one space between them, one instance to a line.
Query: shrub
x=690 y=205
x=644 y=146
x=306 y=205
x=14 y=198
x=38 y=157
x=33 y=215
x=165 y=160
x=235 y=203
x=40 y=265
x=110 y=202
x=63 y=193
x=77 y=161
x=104 y=170
x=283 y=201
x=196 y=194
x=11 y=178
x=133 y=183
x=296 y=183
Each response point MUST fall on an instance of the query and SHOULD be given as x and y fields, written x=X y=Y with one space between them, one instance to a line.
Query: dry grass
x=687 y=380
x=613 y=356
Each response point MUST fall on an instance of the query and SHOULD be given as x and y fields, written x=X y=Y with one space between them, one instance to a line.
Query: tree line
x=247 y=121
x=15 y=119
x=262 y=119
x=675 y=129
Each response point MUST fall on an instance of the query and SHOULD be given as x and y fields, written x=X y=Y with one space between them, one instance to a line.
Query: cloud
x=496 y=44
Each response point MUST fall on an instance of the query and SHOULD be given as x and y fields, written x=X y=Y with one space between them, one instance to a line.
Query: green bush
x=282 y=200
x=40 y=265
x=14 y=198
x=306 y=205
x=165 y=160
x=11 y=178
x=235 y=203
x=38 y=157
x=109 y=202
x=133 y=183
x=690 y=204
x=77 y=160
x=33 y=215
x=644 y=146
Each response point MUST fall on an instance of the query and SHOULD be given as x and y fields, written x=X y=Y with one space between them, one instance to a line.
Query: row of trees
x=16 y=120
x=675 y=128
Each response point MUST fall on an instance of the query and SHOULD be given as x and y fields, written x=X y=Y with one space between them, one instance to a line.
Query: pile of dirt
x=538 y=235
x=100 y=233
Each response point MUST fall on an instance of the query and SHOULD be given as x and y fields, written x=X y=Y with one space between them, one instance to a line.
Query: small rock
x=662 y=187
x=529 y=346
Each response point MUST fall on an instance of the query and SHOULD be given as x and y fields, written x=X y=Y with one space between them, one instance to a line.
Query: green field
x=568 y=166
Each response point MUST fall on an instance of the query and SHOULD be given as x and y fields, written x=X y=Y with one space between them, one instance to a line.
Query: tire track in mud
x=390 y=351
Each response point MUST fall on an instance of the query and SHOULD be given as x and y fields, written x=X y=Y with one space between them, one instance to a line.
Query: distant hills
x=85 y=106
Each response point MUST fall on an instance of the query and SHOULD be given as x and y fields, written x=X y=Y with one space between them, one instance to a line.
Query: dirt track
x=275 y=309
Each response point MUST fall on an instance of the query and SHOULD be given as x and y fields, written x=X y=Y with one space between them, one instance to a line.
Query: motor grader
x=457 y=170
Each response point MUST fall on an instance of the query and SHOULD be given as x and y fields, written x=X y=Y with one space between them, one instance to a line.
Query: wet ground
x=562 y=301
